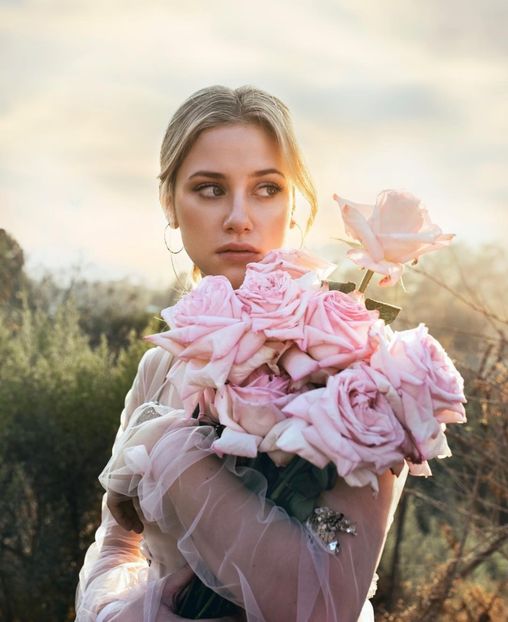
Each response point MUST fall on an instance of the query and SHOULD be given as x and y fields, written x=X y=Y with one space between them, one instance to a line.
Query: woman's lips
x=235 y=256
x=239 y=252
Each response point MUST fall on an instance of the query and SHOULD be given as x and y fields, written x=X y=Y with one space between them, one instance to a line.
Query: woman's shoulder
x=151 y=375
x=155 y=357
x=152 y=370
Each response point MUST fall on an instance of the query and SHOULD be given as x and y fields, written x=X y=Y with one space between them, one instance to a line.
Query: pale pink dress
x=197 y=511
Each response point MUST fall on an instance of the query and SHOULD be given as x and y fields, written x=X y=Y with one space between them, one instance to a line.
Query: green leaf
x=345 y=288
x=387 y=312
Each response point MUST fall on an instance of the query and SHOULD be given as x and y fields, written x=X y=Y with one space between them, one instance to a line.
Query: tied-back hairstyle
x=216 y=106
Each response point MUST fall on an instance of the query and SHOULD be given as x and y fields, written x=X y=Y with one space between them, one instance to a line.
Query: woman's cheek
x=280 y=233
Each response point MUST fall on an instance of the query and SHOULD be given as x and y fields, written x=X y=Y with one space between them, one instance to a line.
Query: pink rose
x=336 y=331
x=210 y=336
x=296 y=262
x=275 y=303
x=268 y=354
x=431 y=388
x=256 y=406
x=193 y=377
x=250 y=412
x=207 y=323
x=394 y=231
x=352 y=421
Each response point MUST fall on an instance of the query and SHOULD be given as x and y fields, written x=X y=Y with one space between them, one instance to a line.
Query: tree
x=60 y=402
x=12 y=276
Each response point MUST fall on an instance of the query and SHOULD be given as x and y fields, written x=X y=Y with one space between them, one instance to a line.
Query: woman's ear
x=168 y=207
x=292 y=219
x=171 y=215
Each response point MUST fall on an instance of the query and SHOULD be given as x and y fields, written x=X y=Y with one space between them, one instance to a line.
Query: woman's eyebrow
x=265 y=171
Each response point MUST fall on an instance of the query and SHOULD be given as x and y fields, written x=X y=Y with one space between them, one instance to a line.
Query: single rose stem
x=365 y=281
x=296 y=465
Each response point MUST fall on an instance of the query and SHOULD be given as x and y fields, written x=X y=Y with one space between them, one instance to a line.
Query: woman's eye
x=211 y=190
x=272 y=188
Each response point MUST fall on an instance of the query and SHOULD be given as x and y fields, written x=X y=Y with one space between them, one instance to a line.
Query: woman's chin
x=233 y=266
x=236 y=276
x=237 y=282
x=235 y=273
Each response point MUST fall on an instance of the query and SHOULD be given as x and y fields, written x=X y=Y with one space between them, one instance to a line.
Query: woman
x=229 y=168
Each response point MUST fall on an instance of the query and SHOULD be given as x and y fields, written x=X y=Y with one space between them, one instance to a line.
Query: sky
x=399 y=94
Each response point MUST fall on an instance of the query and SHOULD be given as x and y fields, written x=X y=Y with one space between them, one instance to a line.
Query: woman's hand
x=124 y=511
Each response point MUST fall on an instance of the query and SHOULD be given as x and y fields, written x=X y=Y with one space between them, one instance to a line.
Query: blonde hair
x=218 y=105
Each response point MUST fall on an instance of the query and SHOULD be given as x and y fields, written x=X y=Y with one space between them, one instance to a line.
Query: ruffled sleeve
x=114 y=566
x=242 y=545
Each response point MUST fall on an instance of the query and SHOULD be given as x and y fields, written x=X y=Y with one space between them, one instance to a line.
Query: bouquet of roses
x=305 y=377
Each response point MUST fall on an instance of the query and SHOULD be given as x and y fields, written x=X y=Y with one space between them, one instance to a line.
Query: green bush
x=60 y=403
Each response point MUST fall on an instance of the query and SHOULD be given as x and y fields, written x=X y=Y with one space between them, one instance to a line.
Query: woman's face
x=232 y=199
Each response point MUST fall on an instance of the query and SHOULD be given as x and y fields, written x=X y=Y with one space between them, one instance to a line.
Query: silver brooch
x=325 y=524
x=147 y=413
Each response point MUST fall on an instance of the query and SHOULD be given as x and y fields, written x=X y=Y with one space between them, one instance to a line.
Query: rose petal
x=293 y=441
x=298 y=364
x=358 y=227
x=236 y=443
x=217 y=344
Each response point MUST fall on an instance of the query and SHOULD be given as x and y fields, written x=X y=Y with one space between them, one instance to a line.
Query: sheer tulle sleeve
x=241 y=544
x=114 y=569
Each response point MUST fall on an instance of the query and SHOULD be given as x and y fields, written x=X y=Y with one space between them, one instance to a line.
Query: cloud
x=383 y=94
x=452 y=28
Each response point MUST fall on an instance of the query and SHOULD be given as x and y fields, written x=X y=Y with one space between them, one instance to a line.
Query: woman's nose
x=238 y=217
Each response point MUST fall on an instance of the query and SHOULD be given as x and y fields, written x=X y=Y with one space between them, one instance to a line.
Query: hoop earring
x=172 y=259
x=167 y=245
x=302 y=236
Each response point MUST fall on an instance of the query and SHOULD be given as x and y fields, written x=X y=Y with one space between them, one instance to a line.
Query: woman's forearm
x=245 y=540
x=113 y=564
